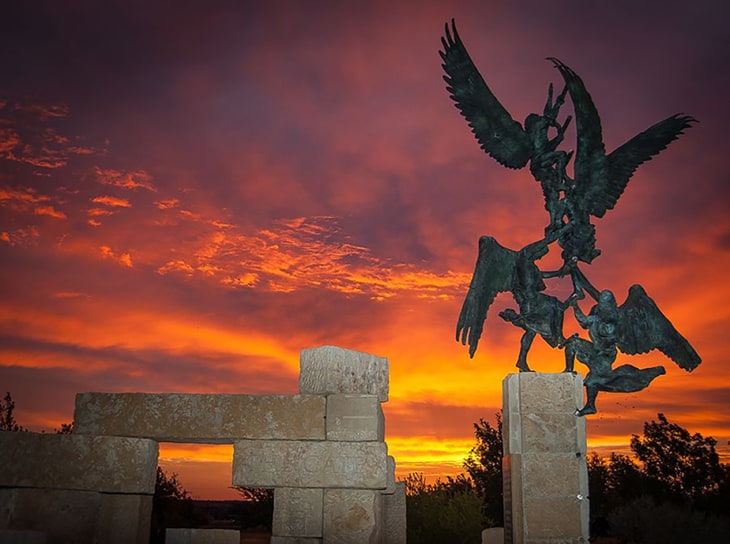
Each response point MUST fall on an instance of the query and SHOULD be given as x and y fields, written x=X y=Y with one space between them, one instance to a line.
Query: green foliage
x=7 y=419
x=449 y=511
x=686 y=465
x=169 y=487
x=259 y=506
x=676 y=492
x=66 y=428
x=484 y=466
x=646 y=521
x=171 y=506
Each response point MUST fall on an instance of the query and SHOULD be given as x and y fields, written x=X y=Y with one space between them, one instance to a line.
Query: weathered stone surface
x=9 y=536
x=493 y=535
x=67 y=517
x=124 y=519
x=539 y=413
x=555 y=519
x=544 y=466
x=394 y=516
x=553 y=475
x=355 y=418
x=201 y=418
x=297 y=512
x=202 y=536
x=328 y=370
x=392 y=485
x=100 y=463
x=352 y=516
x=288 y=463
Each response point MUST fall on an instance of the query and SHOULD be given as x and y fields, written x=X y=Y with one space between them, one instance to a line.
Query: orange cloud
x=111 y=201
x=126 y=180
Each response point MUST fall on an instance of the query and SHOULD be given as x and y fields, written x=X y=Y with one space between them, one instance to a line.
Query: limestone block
x=352 y=516
x=493 y=535
x=539 y=413
x=394 y=516
x=294 y=540
x=63 y=515
x=328 y=370
x=289 y=463
x=553 y=475
x=201 y=418
x=355 y=418
x=202 y=536
x=124 y=519
x=297 y=512
x=556 y=520
x=69 y=461
x=9 y=536
x=391 y=485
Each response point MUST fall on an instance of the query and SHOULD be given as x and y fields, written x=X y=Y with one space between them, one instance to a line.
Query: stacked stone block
x=323 y=451
x=544 y=464
x=341 y=489
x=77 y=488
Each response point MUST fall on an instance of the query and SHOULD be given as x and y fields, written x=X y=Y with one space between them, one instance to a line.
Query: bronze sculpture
x=599 y=179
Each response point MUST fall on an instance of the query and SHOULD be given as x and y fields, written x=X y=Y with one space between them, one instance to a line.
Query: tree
x=7 y=419
x=449 y=511
x=685 y=465
x=169 y=487
x=484 y=466
x=172 y=506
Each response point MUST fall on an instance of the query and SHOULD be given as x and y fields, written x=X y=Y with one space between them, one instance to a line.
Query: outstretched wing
x=643 y=327
x=599 y=179
x=493 y=274
x=498 y=134
x=590 y=167
x=624 y=160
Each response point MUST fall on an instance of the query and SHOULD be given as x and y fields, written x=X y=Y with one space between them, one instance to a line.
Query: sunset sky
x=193 y=192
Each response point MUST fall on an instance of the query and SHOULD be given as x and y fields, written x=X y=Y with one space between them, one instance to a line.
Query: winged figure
x=600 y=178
x=502 y=137
x=637 y=326
x=499 y=269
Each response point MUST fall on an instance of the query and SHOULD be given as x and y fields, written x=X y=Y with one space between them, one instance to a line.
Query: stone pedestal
x=544 y=465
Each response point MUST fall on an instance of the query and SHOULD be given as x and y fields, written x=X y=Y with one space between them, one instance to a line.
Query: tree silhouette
x=685 y=465
x=7 y=419
x=484 y=466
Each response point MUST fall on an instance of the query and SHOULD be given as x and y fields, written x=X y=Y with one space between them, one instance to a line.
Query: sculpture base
x=544 y=465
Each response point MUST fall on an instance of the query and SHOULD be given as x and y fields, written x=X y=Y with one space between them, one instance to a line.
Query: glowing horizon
x=190 y=198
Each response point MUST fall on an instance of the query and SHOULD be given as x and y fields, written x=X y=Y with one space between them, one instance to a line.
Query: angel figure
x=599 y=179
x=503 y=138
x=637 y=326
x=499 y=269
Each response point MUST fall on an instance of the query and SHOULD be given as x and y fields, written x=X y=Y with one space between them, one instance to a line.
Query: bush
x=448 y=511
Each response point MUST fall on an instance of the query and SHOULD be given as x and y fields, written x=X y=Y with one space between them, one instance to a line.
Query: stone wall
x=323 y=451
x=76 y=488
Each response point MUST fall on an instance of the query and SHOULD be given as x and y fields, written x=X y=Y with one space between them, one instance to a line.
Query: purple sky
x=192 y=192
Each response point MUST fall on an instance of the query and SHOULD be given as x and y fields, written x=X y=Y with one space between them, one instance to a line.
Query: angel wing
x=643 y=327
x=600 y=179
x=498 y=133
x=493 y=274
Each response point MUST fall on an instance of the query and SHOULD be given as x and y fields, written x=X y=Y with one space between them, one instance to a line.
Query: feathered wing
x=590 y=153
x=624 y=160
x=600 y=179
x=643 y=327
x=493 y=274
x=498 y=134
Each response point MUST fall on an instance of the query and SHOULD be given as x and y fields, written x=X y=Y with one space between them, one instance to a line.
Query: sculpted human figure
x=637 y=326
